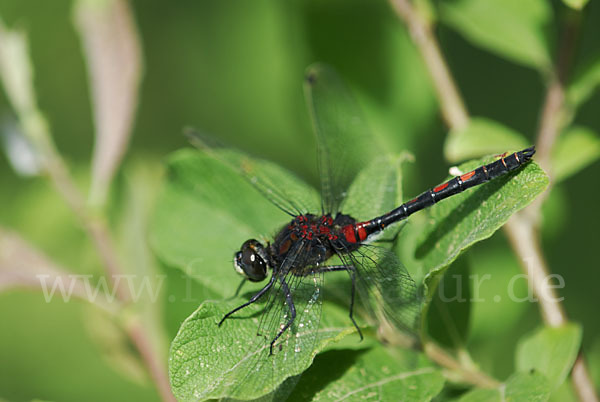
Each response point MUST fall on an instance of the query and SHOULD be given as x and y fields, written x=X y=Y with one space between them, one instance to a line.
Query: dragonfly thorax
x=318 y=235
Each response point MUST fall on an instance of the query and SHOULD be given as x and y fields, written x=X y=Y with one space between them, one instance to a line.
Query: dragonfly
x=304 y=248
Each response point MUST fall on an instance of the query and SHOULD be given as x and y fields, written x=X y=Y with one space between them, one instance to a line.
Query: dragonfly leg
x=290 y=303
x=352 y=274
x=252 y=300
x=352 y=291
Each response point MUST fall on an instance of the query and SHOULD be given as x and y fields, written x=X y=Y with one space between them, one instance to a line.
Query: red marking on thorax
x=467 y=176
x=440 y=187
x=285 y=246
x=326 y=220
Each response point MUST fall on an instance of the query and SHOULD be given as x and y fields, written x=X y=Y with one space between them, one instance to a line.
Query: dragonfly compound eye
x=250 y=261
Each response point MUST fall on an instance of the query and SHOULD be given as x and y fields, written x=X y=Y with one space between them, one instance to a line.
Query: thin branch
x=101 y=238
x=522 y=238
x=473 y=377
x=17 y=76
x=23 y=266
x=454 y=111
x=521 y=228
x=136 y=333
x=95 y=228
x=552 y=118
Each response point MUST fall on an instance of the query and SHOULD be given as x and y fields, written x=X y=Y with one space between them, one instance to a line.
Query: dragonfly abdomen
x=360 y=231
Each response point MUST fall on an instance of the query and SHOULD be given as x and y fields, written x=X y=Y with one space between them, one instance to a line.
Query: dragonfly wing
x=282 y=188
x=385 y=287
x=343 y=142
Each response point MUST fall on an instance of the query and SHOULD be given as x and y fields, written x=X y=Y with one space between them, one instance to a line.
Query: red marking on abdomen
x=440 y=187
x=467 y=176
x=360 y=229
x=348 y=232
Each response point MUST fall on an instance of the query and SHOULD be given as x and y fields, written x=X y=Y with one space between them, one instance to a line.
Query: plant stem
x=136 y=333
x=453 y=109
x=442 y=358
x=94 y=227
x=17 y=77
x=100 y=236
x=521 y=228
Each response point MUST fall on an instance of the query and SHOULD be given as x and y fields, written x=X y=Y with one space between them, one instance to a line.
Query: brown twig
x=17 y=77
x=452 y=106
x=521 y=228
x=136 y=333
x=95 y=228
x=101 y=238
x=473 y=377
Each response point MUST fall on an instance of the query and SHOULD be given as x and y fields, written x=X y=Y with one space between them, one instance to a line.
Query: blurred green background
x=234 y=69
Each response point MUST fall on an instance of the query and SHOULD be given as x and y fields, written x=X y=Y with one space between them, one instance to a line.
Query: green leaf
x=574 y=150
x=514 y=29
x=481 y=137
x=377 y=373
x=585 y=81
x=462 y=220
x=531 y=387
x=519 y=387
x=551 y=351
x=207 y=361
x=576 y=4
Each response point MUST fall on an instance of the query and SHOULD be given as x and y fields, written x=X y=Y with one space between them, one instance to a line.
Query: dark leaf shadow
x=327 y=367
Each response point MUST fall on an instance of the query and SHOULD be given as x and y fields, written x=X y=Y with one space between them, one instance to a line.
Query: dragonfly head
x=251 y=261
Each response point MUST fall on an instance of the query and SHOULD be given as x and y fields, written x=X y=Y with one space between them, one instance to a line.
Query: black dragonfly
x=304 y=248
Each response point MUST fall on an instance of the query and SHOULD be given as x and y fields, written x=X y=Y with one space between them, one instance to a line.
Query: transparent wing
x=285 y=190
x=385 y=287
x=343 y=140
